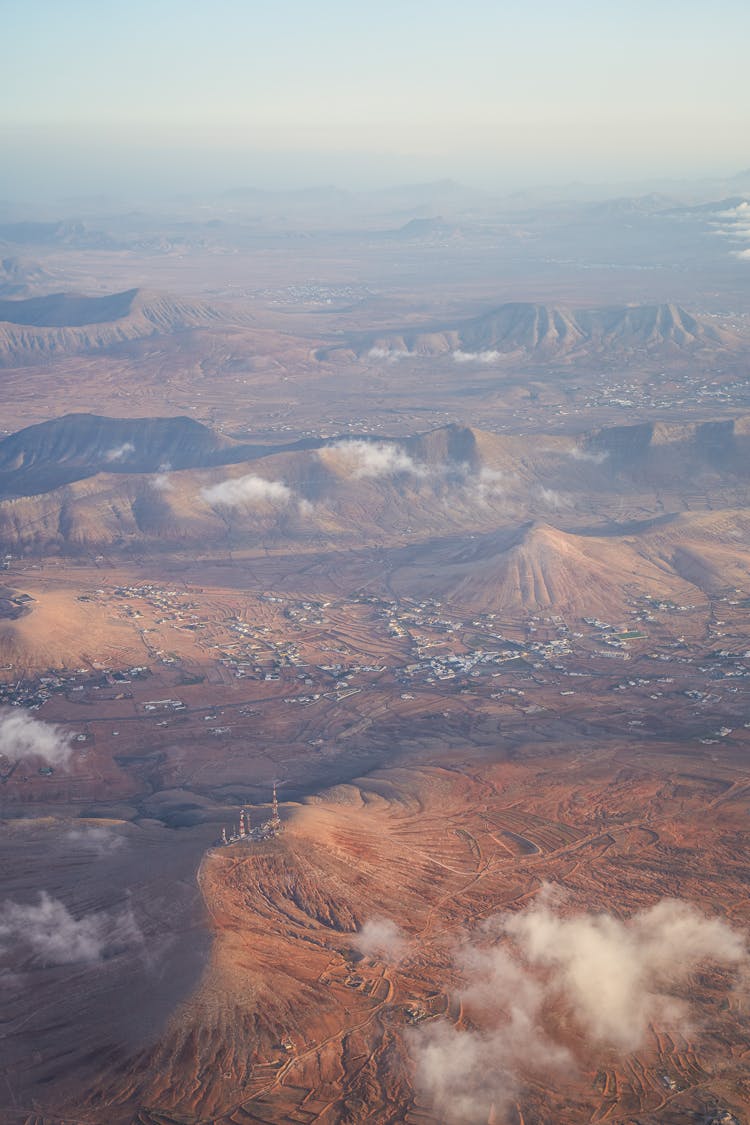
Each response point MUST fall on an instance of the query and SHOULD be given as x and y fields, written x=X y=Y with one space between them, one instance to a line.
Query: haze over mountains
x=39 y=328
x=432 y=508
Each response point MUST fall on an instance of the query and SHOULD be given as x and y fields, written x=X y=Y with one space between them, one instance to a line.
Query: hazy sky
x=503 y=91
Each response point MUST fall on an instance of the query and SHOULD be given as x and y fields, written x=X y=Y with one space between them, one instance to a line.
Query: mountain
x=490 y=518
x=43 y=457
x=539 y=568
x=548 y=331
x=432 y=229
x=19 y=278
x=68 y=233
x=40 y=328
x=663 y=453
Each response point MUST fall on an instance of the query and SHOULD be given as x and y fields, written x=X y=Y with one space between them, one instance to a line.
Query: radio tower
x=275 y=821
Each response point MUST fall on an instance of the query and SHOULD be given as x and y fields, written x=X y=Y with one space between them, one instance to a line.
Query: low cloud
x=249 y=491
x=162 y=482
x=23 y=737
x=380 y=937
x=374 y=459
x=490 y=483
x=50 y=932
x=468 y=1074
x=619 y=976
x=530 y=974
x=579 y=454
x=120 y=452
x=551 y=498
x=734 y=224
x=390 y=355
x=486 y=357
x=96 y=838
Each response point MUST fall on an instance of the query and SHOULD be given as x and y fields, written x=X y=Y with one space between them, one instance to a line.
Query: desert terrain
x=433 y=513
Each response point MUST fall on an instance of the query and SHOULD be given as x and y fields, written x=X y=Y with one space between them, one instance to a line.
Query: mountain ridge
x=544 y=330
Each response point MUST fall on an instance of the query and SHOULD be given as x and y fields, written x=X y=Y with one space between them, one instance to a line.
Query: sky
x=294 y=92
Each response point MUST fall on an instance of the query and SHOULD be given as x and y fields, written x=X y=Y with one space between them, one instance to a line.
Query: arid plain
x=437 y=518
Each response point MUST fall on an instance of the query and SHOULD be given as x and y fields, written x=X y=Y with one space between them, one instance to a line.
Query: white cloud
x=742 y=210
x=390 y=355
x=96 y=838
x=467 y=1073
x=621 y=975
x=120 y=452
x=551 y=498
x=380 y=937
x=476 y=357
x=23 y=737
x=248 y=491
x=579 y=454
x=373 y=458
x=612 y=977
x=734 y=224
x=50 y=932
x=491 y=482
x=162 y=482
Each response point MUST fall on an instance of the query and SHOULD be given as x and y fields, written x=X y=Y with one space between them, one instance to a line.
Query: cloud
x=120 y=452
x=579 y=454
x=476 y=357
x=741 y=211
x=162 y=482
x=50 y=932
x=249 y=491
x=22 y=737
x=734 y=224
x=468 y=1073
x=621 y=975
x=390 y=355
x=374 y=458
x=491 y=482
x=380 y=937
x=531 y=973
x=96 y=838
x=551 y=498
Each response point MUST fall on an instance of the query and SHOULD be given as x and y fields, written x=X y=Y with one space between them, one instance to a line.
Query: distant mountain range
x=547 y=331
x=37 y=328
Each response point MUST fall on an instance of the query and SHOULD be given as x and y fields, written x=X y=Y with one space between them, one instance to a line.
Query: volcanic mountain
x=539 y=331
x=69 y=323
x=538 y=568
x=86 y=482
x=662 y=452
x=43 y=457
x=19 y=278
